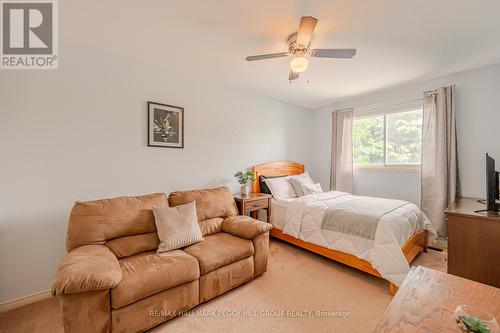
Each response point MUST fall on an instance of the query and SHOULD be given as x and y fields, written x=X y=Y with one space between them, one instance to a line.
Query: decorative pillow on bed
x=262 y=183
x=281 y=187
x=299 y=180
x=311 y=188
x=177 y=226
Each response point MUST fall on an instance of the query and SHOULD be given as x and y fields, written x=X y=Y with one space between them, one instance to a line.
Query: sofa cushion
x=95 y=222
x=210 y=203
x=130 y=245
x=146 y=274
x=177 y=226
x=218 y=250
x=211 y=226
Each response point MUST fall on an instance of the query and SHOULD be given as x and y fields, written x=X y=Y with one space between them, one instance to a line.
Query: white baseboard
x=25 y=300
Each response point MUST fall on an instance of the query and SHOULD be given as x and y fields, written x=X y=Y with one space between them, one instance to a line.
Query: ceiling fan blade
x=266 y=56
x=306 y=28
x=293 y=75
x=333 y=53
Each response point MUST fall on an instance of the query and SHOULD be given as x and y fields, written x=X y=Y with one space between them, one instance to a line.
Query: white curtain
x=440 y=181
x=341 y=178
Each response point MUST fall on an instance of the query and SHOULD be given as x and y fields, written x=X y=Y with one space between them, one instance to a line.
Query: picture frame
x=165 y=125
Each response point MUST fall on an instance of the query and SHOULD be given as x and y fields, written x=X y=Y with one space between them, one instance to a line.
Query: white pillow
x=177 y=226
x=299 y=180
x=281 y=187
x=311 y=188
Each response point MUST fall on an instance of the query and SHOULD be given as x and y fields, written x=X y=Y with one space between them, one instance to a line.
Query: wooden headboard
x=275 y=169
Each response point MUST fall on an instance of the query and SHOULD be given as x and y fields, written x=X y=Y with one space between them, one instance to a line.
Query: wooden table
x=251 y=203
x=427 y=299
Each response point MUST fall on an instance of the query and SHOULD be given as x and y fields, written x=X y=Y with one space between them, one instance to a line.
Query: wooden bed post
x=393 y=289
x=426 y=239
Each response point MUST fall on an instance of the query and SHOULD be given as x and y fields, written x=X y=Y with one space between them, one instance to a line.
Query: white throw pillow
x=311 y=188
x=299 y=180
x=177 y=226
x=281 y=187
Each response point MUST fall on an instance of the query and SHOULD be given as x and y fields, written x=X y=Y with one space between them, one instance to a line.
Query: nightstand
x=251 y=203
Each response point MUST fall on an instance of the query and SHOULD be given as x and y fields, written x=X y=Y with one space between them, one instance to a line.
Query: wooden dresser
x=473 y=242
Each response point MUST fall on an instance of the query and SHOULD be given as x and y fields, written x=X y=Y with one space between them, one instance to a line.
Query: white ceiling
x=398 y=41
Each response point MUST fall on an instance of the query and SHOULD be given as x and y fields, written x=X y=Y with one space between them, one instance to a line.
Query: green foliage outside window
x=368 y=140
x=400 y=145
x=404 y=137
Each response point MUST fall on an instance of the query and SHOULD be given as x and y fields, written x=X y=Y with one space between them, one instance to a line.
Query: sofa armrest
x=245 y=227
x=87 y=268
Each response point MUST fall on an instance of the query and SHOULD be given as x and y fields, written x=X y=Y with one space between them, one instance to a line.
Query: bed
x=297 y=221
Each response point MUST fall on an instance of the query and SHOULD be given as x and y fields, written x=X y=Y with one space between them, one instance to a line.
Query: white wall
x=395 y=185
x=80 y=133
x=478 y=126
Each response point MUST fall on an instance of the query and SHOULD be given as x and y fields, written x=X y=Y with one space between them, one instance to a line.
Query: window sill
x=407 y=168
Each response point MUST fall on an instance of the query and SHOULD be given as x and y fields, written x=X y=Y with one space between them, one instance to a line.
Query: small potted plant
x=472 y=325
x=473 y=319
x=245 y=179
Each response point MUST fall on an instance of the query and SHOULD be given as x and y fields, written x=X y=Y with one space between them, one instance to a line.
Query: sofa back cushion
x=96 y=222
x=210 y=203
x=131 y=245
x=211 y=226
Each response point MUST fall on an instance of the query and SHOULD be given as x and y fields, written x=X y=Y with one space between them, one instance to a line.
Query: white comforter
x=304 y=217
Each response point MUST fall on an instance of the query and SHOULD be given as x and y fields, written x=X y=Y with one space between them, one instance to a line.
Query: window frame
x=385 y=110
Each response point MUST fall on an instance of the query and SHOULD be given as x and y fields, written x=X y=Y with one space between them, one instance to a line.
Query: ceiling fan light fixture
x=299 y=46
x=299 y=64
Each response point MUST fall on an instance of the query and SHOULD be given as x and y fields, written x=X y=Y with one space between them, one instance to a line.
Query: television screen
x=492 y=186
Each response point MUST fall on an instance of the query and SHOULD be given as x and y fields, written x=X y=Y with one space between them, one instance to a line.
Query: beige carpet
x=296 y=281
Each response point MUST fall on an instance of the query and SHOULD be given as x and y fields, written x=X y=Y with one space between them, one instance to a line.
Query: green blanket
x=359 y=216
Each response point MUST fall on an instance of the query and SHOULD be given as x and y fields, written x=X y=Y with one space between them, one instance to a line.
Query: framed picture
x=165 y=125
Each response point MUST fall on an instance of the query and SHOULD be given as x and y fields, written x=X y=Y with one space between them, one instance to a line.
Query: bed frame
x=416 y=244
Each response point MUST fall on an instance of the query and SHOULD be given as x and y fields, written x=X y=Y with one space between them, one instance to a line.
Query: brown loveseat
x=112 y=279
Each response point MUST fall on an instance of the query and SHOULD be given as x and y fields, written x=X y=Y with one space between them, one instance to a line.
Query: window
x=388 y=137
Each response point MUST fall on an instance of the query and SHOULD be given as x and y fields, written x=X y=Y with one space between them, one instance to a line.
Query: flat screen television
x=492 y=185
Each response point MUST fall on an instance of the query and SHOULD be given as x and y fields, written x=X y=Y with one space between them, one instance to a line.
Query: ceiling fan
x=299 y=47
